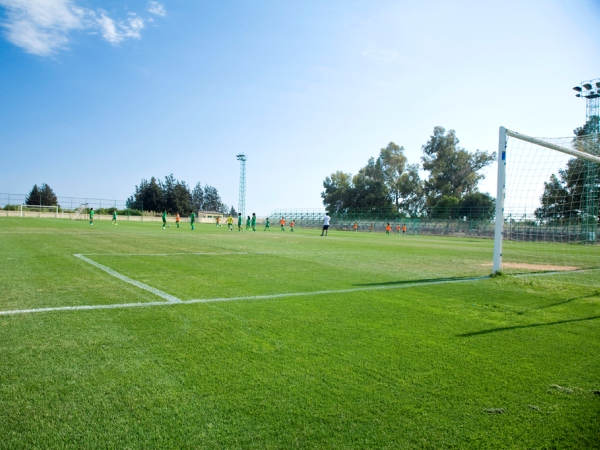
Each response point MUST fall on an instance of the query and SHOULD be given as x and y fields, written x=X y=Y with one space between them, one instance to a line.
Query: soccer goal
x=38 y=211
x=547 y=207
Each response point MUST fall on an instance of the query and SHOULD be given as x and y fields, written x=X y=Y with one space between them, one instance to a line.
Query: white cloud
x=42 y=27
x=115 y=32
x=157 y=8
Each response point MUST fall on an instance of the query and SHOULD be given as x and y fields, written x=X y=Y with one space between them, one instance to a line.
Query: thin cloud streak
x=42 y=27
x=157 y=8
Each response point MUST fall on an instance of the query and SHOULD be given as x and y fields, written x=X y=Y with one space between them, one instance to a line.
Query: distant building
x=210 y=214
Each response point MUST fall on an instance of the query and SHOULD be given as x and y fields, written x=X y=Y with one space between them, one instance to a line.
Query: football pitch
x=132 y=336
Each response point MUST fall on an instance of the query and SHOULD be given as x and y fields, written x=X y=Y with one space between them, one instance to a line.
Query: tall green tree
x=148 y=195
x=338 y=191
x=410 y=192
x=477 y=205
x=197 y=197
x=168 y=193
x=181 y=198
x=393 y=164
x=453 y=171
x=42 y=196
x=212 y=200
x=369 y=189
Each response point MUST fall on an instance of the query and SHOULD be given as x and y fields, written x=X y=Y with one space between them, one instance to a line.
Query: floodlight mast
x=242 y=198
x=590 y=90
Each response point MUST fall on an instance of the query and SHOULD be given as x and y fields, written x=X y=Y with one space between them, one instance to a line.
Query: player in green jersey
x=114 y=219
x=267 y=227
x=240 y=223
x=164 y=218
x=192 y=219
x=248 y=223
x=91 y=216
x=253 y=222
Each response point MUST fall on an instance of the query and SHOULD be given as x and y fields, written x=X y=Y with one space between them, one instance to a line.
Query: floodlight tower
x=242 y=199
x=590 y=90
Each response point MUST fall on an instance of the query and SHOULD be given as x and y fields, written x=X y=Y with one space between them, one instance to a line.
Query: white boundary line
x=227 y=299
x=227 y=253
x=159 y=293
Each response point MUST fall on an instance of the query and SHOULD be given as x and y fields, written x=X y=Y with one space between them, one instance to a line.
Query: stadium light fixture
x=577 y=88
x=588 y=86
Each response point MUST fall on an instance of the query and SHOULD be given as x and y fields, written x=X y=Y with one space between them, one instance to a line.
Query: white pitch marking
x=333 y=291
x=245 y=298
x=157 y=292
x=219 y=253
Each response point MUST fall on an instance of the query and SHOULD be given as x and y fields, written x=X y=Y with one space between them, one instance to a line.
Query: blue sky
x=96 y=95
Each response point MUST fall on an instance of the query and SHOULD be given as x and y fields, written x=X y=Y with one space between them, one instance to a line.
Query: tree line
x=175 y=196
x=390 y=183
x=169 y=195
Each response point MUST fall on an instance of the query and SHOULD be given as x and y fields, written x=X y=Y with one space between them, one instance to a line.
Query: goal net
x=548 y=195
x=38 y=211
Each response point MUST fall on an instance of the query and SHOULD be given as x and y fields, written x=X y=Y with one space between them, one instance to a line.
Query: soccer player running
x=230 y=223
x=388 y=228
x=267 y=225
x=240 y=228
x=177 y=219
x=91 y=216
x=326 y=220
x=218 y=221
x=404 y=229
x=253 y=222
x=282 y=223
x=292 y=224
x=248 y=223
x=164 y=219
x=114 y=219
x=192 y=219
x=398 y=229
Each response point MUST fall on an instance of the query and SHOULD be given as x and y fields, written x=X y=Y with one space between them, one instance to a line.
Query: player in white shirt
x=326 y=220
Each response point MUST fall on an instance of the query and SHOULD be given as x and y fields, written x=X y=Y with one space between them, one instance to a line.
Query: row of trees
x=390 y=183
x=174 y=196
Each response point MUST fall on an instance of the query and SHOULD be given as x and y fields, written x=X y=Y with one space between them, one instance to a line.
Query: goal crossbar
x=558 y=148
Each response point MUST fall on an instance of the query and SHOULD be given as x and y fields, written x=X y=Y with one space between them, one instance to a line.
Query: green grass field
x=280 y=340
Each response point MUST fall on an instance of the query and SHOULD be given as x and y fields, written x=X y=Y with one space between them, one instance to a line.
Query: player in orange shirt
x=292 y=223
x=355 y=227
x=404 y=229
x=177 y=219
x=388 y=228
x=282 y=223
x=398 y=229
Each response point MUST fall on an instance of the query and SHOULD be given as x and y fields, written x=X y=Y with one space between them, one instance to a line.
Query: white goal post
x=547 y=202
x=34 y=209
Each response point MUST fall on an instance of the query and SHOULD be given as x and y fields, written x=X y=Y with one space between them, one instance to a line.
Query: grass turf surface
x=496 y=363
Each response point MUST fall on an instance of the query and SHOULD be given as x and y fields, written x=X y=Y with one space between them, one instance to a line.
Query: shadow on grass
x=569 y=300
x=517 y=327
x=422 y=280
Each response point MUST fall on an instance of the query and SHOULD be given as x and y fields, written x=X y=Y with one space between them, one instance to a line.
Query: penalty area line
x=157 y=292
x=244 y=298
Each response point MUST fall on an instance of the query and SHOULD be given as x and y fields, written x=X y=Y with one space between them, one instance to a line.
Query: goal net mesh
x=551 y=209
